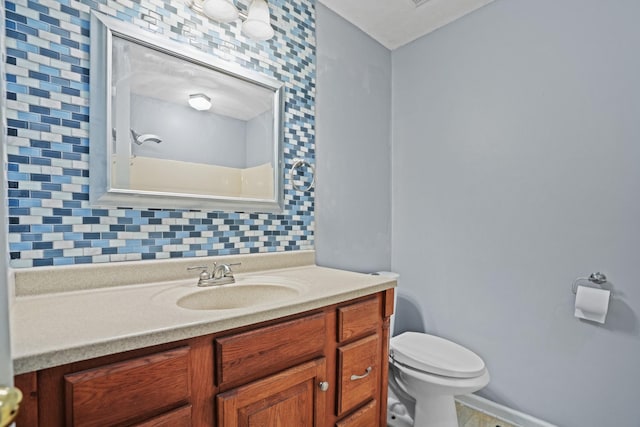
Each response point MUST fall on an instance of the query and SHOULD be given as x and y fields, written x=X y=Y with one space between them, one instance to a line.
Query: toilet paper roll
x=592 y=304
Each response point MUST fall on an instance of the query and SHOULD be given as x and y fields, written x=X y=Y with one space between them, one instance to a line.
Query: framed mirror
x=173 y=127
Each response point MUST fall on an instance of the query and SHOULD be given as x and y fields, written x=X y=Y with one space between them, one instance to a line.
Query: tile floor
x=468 y=417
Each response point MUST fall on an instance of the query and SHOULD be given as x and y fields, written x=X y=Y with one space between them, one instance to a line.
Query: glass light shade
x=200 y=101
x=220 y=10
x=258 y=23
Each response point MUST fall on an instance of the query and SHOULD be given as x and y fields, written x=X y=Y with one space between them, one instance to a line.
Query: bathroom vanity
x=317 y=359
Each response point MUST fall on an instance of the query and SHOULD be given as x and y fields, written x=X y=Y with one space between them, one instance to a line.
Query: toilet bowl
x=432 y=371
x=425 y=373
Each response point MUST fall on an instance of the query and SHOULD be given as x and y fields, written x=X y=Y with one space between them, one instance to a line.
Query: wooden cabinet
x=361 y=371
x=358 y=319
x=180 y=417
x=166 y=385
x=118 y=393
x=289 y=398
x=366 y=416
x=358 y=373
x=263 y=351
x=323 y=368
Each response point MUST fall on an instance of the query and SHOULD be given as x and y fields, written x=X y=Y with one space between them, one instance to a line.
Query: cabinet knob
x=324 y=386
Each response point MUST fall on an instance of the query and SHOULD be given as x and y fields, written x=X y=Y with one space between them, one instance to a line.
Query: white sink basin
x=232 y=296
x=247 y=292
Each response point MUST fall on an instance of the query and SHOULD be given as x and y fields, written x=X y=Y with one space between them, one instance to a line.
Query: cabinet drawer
x=366 y=416
x=179 y=418
x=358 y=373
x=250 y=355
x=138 y=388
x=357 y=320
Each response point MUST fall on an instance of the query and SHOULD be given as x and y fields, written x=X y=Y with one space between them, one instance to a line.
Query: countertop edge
x=45 y=360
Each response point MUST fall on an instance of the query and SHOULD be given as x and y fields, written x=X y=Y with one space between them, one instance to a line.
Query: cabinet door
x=290 y=398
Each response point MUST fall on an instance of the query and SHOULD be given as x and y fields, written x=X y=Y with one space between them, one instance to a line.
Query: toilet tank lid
x=436 y=355
x=389 y=274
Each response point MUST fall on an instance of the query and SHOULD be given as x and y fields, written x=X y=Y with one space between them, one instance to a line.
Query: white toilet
x=425 y=373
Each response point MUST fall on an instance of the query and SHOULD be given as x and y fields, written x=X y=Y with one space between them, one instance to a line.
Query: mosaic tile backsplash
x=47 y=86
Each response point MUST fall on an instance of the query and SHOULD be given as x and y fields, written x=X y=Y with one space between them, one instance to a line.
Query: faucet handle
x=204 y=273
x=231 y=265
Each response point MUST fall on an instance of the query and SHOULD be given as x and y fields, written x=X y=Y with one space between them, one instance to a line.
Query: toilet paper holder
x=597 y=278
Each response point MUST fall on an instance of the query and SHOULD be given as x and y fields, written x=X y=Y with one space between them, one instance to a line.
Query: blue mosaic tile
x=51 y=221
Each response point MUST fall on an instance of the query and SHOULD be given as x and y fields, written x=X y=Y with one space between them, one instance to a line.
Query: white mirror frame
x=101 y=191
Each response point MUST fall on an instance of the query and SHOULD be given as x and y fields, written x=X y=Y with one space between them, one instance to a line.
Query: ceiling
x=394 y=23
x=155 y=74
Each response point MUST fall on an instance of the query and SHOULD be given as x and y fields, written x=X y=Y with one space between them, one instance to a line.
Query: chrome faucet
x=221 y=274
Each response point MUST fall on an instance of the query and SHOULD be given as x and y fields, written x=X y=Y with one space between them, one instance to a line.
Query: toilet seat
x=455 y=386
x=435 y=355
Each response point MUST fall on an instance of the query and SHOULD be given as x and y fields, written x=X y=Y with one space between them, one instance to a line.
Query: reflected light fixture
x=256 y=22
x=199 y=101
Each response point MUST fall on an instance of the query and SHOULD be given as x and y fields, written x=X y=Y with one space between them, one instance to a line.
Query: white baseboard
x=502 y=412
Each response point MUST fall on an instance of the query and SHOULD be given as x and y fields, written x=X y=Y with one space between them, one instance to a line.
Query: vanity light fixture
x=220 y=10
x=256 y=22
x=199 y=101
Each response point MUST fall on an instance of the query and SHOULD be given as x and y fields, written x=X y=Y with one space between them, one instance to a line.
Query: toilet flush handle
x=359 y=377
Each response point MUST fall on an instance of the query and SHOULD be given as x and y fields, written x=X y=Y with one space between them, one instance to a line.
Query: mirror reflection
x=183 y=126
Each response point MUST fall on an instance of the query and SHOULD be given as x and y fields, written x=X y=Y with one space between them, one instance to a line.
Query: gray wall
x=257 y=151
x=516 y=153
x=6 y=367
x=210 y=138
x=353 y=128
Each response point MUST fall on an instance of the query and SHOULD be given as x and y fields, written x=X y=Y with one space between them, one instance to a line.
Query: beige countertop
x=74 y=323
